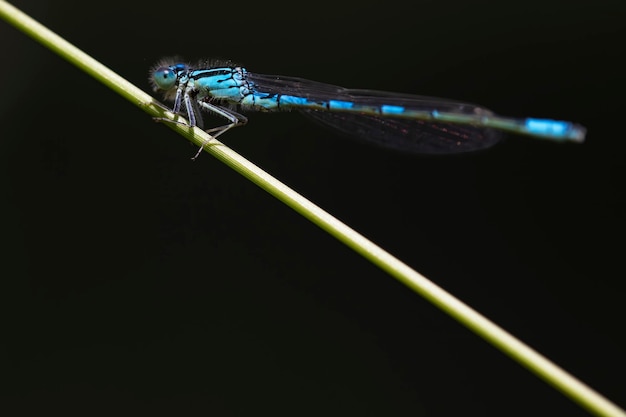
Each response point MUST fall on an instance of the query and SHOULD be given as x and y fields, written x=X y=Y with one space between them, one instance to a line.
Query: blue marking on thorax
x=220 y=83
x=215 y=79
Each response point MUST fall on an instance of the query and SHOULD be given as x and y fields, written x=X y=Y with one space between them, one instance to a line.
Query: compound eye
x=164 y=78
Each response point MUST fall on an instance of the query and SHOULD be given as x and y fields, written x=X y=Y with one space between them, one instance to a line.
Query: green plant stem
x=523 y=354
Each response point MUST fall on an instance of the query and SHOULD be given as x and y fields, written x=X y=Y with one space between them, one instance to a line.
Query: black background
x=135 y=281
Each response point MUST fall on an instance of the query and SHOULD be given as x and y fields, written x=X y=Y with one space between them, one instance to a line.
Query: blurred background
x=135 y=280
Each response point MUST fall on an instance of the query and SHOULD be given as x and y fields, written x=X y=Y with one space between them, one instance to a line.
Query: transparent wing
x=407 y=135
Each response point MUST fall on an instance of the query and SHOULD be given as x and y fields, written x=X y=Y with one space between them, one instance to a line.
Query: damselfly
x=408 y=123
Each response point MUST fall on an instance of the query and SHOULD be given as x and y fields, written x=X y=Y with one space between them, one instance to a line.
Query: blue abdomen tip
x=548 y=127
